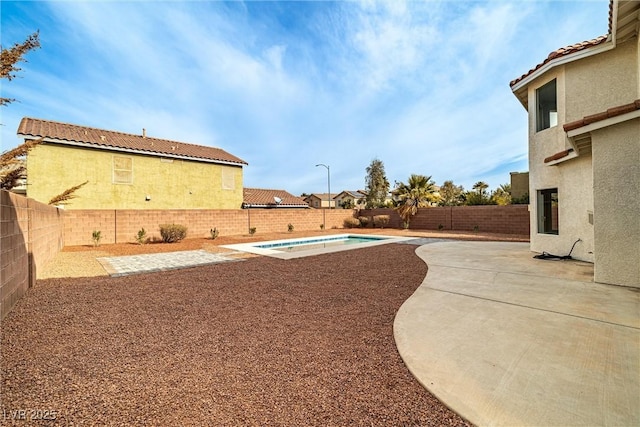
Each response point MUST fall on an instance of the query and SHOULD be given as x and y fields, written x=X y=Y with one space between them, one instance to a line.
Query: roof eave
x=610 y=121
x=130 y=150
x=519 y=89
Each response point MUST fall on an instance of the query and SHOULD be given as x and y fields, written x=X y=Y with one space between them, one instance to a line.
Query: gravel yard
x=261 y=341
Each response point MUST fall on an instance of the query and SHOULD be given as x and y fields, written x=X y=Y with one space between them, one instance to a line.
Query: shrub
x=381 y=220
x=476 y=228
x=141 y=237
x=172 y=232
x=214 y=233
x=351 y=222
x=290 y=227
x=321 y=226
x=96 y=236
x=364 y=221
x=440 y=226
x=252 y=231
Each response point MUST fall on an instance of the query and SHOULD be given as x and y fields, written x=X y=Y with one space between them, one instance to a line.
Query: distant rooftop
x=68 y=134
x=263 y=198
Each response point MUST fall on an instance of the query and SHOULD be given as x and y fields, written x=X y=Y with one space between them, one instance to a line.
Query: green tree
x=479 y=195
x=347 y=204
x=502 y=195
x=377 y=185
x=451 y=194
x=417 y=193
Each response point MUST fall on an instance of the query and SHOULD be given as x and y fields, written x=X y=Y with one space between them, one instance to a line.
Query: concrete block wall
x=510 y=219
x=31 y=234
x=121 y=226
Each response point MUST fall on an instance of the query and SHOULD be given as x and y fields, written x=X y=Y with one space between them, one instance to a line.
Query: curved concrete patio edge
x=505 y=339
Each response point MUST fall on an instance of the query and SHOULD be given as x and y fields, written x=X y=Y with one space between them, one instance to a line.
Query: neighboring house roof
x=321 y=196
x=262 y=198
x=82 y=136
x=357 y=194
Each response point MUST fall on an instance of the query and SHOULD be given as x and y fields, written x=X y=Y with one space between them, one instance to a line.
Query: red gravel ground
x=256 y=342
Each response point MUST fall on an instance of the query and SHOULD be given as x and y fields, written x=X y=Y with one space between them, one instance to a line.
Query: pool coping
x=251 y=247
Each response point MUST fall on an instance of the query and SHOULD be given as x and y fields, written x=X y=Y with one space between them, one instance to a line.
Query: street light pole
x=324 y=222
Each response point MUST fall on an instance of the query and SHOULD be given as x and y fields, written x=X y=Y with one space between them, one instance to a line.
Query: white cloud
x=423 y=86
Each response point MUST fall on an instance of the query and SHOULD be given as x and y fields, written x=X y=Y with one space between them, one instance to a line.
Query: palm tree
x=481 y=187
x=417 y=193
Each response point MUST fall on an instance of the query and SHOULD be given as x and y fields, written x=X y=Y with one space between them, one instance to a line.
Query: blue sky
x=421 y=85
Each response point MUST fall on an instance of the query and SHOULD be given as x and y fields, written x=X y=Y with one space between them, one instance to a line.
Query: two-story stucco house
x=126 y=171
x=584 y=149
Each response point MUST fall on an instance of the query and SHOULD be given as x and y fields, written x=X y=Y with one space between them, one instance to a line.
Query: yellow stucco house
x=126 y=171
x=584 y=149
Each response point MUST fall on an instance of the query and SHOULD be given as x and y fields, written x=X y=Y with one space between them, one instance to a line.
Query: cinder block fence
x=31 y=234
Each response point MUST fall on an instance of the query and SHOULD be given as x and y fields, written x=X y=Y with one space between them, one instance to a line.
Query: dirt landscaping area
x=260 y=341
x=80 y=261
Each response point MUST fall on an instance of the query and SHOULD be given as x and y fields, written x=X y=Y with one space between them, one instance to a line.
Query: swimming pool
x=296 y=248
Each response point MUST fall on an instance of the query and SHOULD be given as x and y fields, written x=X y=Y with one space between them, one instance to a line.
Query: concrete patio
x=506 y=339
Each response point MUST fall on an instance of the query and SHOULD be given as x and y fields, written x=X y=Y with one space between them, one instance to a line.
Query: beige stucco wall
x=602 y=81
x=616 y=175
x=179 y=184
x=573 y=179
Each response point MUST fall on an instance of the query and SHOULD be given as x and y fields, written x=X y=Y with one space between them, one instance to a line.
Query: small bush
x=214 y=233
x=381 y=220
x=351 y=222
x=172 y=232
x=290 y=227
x=440 y=226
x=252 y=231
x=141 y=237
x=364 y=221
x=476 y=228
x=321 y=226
x=96 y=236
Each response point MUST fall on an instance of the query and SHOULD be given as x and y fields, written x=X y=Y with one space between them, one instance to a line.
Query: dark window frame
x=547 y=106
x=548 y=218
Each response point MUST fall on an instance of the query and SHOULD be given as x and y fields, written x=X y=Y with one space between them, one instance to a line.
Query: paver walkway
x=148 y=263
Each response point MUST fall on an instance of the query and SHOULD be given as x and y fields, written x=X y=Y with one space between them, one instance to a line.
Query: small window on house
x=122 y=170
x=228 y=179
x=547 y=108
x=548 y=211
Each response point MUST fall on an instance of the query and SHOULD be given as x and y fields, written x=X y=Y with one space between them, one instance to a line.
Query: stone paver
x=148 y=263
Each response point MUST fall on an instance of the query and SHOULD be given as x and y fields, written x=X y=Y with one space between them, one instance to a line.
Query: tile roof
x=65 y=133
x=262 y=197
x=626 y=15
x=563 y=51
x=611 y=112
x=559 y=155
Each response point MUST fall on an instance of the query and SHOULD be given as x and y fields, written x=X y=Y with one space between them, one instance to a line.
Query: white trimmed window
x=122 y=169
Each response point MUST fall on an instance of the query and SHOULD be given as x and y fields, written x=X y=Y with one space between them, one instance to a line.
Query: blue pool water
x=320 y=242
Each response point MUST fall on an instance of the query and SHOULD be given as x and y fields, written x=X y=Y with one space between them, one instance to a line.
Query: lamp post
x=324 y=221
